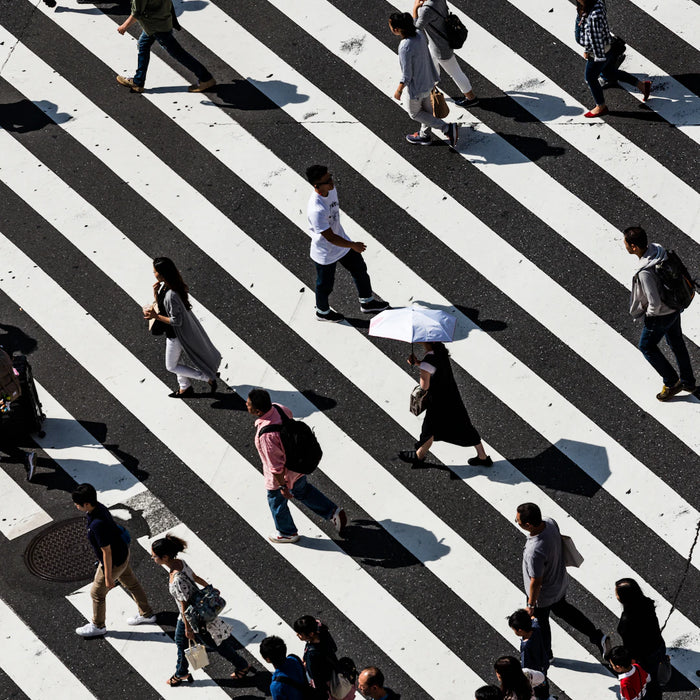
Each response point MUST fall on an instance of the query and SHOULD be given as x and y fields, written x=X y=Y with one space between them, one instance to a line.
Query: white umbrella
x=414 y=324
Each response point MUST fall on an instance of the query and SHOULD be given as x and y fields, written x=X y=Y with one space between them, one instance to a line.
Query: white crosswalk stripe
x=630 y=484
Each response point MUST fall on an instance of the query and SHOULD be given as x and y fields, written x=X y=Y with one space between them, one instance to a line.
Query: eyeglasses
x=325 y=182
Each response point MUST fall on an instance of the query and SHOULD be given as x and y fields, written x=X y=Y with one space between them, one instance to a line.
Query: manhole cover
x=61 y=552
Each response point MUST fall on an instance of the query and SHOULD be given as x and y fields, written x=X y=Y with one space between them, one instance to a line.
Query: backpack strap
x=275 y=427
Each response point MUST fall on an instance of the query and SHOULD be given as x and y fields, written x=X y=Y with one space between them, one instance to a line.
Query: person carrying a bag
x=446 y=417
x=189 y=353
x=593 y=33
x=419 y=76
x=431 y=17
x=183 y=585
x=641 y=634
x=324 y=670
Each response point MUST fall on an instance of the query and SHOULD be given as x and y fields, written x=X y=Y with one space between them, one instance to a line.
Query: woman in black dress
x=446 y=418
x=639 y=629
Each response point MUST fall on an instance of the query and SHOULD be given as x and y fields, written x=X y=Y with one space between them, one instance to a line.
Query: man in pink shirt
x=281 y=483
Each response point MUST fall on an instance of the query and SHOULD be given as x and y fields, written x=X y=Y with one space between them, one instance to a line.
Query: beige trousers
x=128 y=580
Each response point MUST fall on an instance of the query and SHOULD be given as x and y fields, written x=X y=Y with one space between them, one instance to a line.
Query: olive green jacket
x=153 y=15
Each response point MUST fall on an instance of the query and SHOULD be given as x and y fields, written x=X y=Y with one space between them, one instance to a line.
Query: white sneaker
x=339 y=520
x=141 y=620
x=91 y=630
x=283 y=539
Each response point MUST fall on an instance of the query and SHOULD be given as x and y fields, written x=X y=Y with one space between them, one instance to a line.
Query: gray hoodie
x=646 y=297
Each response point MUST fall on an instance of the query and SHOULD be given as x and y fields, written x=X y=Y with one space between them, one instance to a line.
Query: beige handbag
x=418 y=402
x=155 y=326
x=196 y=655
x=439 y=104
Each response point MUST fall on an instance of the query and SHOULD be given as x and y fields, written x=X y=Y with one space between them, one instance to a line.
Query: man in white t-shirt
x=330 y=245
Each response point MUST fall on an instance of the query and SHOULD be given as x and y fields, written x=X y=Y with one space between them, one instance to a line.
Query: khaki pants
x=128 y=580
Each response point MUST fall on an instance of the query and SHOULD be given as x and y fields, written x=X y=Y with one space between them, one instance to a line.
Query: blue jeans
x=305 y=493
x=171 y=45
x=611 y=75
x=227 y=649
x=668 y=326
x=354 y=263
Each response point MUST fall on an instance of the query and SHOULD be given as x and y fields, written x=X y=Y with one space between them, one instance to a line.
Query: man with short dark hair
x=331 y=245
x=545 y=578
x=289 y=679
x=370 y=683
x=112 y=553
x=283 y=484
x=660 y=320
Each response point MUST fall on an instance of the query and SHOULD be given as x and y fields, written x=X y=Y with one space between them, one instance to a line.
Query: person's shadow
x=253 y=95
x=14 y=339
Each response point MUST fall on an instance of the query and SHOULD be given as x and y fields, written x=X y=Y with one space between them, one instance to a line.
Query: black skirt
x=446 y=418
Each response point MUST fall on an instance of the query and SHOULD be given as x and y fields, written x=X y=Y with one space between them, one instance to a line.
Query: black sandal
x=410 y=456
x=239 y=675
x=174 y=680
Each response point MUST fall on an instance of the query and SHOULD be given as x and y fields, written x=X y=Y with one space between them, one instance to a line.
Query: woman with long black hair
x=184 y=333
x=639 y=629
x=446 y=417
x=593 y=33
x=517 y=683
x=320 y=658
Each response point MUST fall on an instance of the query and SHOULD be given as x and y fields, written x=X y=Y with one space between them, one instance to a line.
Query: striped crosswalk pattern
x=517 y=235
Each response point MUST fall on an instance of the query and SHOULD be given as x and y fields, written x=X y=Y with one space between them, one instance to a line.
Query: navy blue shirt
x=103 y=531
x=293 y=669
x=533 y=655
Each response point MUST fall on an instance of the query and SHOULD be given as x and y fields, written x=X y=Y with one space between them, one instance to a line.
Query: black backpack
x=455 y=31
x=677 y=287
x=300 y=444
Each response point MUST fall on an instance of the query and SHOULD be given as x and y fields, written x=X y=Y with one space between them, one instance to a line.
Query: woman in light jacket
x=593 y=33
x=431 y=16
x=184 y=333
x=418 y=76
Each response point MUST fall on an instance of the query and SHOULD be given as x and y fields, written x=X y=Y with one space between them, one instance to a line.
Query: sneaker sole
x=329 y=320
x=373 y=311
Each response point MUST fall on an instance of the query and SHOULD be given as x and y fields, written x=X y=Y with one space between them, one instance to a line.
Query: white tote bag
x=196 y=656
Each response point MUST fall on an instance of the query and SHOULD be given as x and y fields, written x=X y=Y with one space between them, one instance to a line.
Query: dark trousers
x=569 y=614
x=611 y=74
x=668 y=326
x=227 y=649
x=172 y=46
x=354 y=263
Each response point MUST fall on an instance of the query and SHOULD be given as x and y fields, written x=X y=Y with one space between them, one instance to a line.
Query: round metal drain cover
x=61 y=552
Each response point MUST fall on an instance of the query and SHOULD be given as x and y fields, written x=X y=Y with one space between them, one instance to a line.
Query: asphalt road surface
x=517 y=234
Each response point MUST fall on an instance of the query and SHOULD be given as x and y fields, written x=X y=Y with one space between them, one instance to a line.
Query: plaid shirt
x=595 y=32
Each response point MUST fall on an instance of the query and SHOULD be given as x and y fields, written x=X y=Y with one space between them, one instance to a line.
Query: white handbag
x=196 y=655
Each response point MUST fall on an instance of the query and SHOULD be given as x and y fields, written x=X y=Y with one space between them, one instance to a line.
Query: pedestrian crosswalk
x=518 y=236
